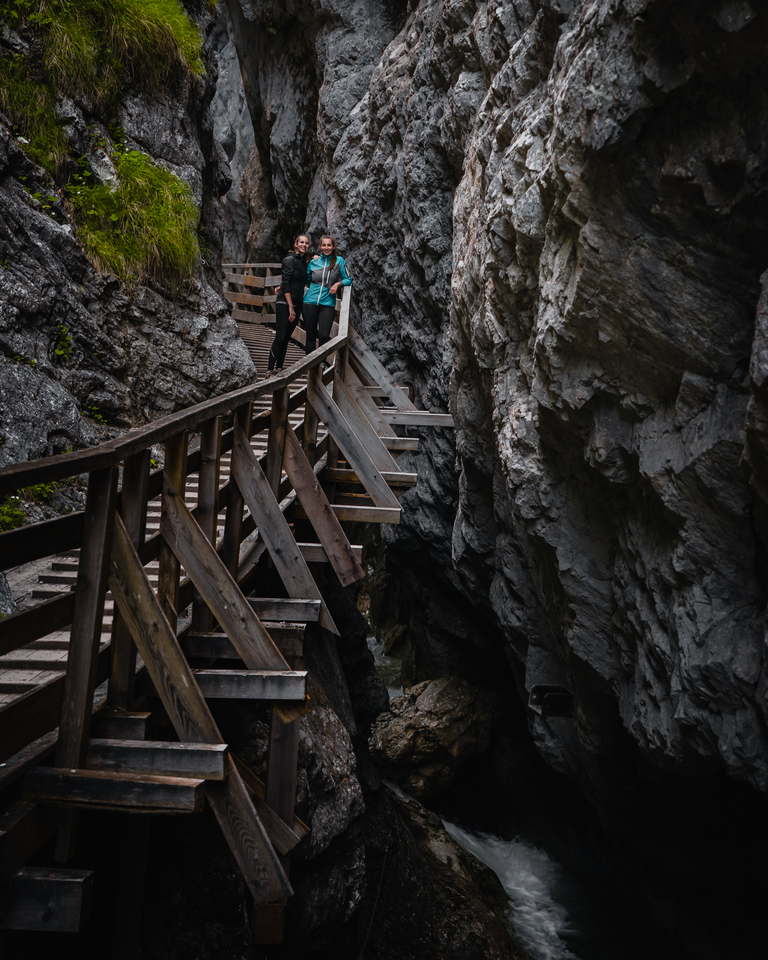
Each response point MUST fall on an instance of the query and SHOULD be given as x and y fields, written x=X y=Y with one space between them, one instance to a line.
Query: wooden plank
x=245 y=279
x=251 y=316
x=203 y=761
x=192 y=719
x=343 y=475
x=99 y=790
x=417 y=418
x=274 y=529
x=365 y=430
x=366 y=362
x=360 y=514
x=286 y=611
x=259 y=791
x=252 y=684
x=24 y=828
x=349 y=444
x=36 y=540
x=327 y=527
x=400 y=443
x=218 y=646
x=247 y=299
x=133 y=509
x=217 y=586
x=207 y=515
x=50 y=901
x=366 y=403
x=315 y=552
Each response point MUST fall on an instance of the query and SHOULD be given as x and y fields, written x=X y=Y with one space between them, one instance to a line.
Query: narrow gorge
x=552 y=211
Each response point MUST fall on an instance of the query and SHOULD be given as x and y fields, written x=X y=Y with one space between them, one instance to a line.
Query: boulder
x=428 y=732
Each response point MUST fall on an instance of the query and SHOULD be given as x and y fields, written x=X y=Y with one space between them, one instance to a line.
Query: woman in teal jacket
x=326 y=273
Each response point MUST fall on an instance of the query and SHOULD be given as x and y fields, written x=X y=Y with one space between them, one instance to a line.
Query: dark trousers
x=284 y=331
x=314 y=316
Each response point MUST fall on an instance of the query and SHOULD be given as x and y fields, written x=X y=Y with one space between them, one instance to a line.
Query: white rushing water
x=388 y=668
x=535 y=885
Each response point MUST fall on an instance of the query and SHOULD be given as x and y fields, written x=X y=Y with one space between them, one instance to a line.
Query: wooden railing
x=207 y=617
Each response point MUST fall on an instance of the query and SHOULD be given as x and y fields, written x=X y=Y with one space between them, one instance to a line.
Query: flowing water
x=388 y=668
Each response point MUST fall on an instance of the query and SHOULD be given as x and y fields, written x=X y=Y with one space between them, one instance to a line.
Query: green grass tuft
x=143 y=227
x=30 y=106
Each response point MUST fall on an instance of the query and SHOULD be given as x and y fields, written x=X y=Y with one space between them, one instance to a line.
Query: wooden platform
x=138 y=610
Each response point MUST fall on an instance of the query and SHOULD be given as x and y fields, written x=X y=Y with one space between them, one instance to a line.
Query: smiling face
x=327 y=246
x=302 y=245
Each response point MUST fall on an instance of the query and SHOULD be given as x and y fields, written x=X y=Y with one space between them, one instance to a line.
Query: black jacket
x=294 y=279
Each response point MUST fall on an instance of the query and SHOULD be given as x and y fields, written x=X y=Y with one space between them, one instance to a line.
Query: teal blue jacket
x=321 y=277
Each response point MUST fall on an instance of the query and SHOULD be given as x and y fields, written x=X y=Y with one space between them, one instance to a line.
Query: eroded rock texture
x=557 y=214
x=135 y=354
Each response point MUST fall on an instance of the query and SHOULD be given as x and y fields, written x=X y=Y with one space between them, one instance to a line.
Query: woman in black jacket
x=289 y=301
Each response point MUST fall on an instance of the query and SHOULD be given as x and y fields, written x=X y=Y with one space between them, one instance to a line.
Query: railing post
x=230 y=550
x=311 y=420
x=175 y=470
x=276 y=440
x=133 y=510
x=207 y=506
x=85 y=637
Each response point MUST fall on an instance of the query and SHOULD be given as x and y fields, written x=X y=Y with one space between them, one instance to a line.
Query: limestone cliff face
x=136 y=354
x=556 y=211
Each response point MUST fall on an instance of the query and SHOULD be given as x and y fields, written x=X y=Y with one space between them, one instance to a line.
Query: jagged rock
x=7 y=603
x=428 y=732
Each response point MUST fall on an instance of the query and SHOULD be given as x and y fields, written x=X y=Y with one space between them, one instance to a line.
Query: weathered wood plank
x=366 y=361
x=350 y=445
x=359 y=514
x=252 y=684
x=169 y=569
x=273 y=469
x=98 y=790
x=207 y=514
x=400 y=443
x=202 y=761
x=343 y=475
x=245 y=279
x=327 y=527
x=218 y=646
x=365 y=430
x=36 y=540
x=23 y=627
x=217 y=586
x=287 y=611
x=315 y=552
x=366 y=403
x=233 y=525
x=274 y=529
x=311 y=421
x=247 y=299
x=50 y=901
x=121 y=726
x=417 y=418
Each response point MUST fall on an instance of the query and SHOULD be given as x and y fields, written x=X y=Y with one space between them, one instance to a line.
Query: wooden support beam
x=85 y=636
x=327 y=527
x=274 y=529
x=49 y=901
x=417 y=418
x=217 y=586
x=160 y=758
x=309 y=436
x=207 y=514
x=192 y=719
x=97 y=790
x=351 y=446
x=230 y=548
x=133 y=509
x=366 y=403
x=252 y=684
x=276 y=441
x=366 y=362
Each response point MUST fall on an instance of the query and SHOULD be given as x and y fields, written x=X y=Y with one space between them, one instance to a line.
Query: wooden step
x=159 y=758
x=47 y=900
x=121 y=726
x=24 y=828
x=101 y=790
x=315 y=552
x=218 y=646
x=416 y=418
x=252 y=684
x=358 y=514
x=393 y=478
x=288 y=611
x=400 y=443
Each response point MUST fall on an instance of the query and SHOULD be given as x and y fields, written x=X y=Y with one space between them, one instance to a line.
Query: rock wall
x=136 y=354
x=556 y=214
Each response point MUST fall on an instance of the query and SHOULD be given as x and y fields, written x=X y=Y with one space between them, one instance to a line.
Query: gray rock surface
x=138 y=353
x=428 y=732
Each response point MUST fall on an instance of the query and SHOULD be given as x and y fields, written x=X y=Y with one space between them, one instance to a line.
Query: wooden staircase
x=153 y=606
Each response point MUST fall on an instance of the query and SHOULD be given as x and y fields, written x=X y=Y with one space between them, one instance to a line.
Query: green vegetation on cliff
x=143 y=225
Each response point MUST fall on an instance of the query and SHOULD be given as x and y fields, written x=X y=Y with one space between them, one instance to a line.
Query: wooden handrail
x=59 y=467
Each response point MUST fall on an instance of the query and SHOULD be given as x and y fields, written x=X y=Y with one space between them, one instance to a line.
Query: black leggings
x=284 y=331
x=312 y=315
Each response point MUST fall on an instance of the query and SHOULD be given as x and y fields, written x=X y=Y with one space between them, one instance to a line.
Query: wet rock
x=428 y=732
x=7 y=603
